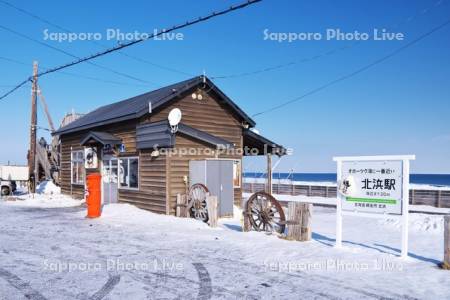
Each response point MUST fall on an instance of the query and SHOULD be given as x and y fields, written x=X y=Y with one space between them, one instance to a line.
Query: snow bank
x=130 y=214
x=48 y=188
x=44 y=201
x=48 y=195
x=417 y=223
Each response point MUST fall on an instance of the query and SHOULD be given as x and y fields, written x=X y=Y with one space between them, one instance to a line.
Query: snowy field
x=49 y=250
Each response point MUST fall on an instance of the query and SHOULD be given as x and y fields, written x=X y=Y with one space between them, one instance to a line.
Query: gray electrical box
x=217 y=176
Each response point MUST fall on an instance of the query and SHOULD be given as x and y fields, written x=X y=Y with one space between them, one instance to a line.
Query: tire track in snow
x=107 y=288
x=205 y=289
x=21 y=285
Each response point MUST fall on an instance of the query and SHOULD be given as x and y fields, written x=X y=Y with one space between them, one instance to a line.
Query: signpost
x=373 y=187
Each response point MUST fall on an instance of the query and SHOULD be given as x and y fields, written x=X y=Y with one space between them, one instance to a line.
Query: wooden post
x=33 y=128
x=292 y=188
x=299 y=221
x=294 y=231
x=246 y=226
x=446 y=264
x=306 y=222
x=439 y=199
x=269 y=174
x=182 y=206
x=211 y=204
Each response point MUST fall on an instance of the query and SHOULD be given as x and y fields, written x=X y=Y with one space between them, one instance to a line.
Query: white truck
x=9 y=175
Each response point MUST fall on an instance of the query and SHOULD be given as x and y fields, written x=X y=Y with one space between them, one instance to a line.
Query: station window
x=77 y=167
x=129 y=173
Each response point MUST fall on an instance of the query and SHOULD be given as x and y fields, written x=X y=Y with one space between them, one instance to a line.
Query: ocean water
x=431 y=179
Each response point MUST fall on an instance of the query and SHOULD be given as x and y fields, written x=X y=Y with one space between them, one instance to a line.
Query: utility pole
x=33 y=128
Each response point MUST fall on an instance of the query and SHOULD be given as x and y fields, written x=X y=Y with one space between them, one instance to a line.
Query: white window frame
x=77 y=161
x=128 y=158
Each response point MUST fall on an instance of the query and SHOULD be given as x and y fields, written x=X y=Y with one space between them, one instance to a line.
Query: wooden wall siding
x=210 y=116
x=68 y=142
x=152 y=184
x=124 y=130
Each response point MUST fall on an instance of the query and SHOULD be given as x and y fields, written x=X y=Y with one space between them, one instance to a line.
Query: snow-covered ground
x=56 y=253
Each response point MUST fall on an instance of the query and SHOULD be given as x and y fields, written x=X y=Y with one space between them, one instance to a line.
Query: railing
x=436 y=198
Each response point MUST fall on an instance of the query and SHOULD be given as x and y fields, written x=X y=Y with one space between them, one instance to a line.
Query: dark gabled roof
x=136 y=107
x=159 y=135
x=103 y=138
x=263 y=145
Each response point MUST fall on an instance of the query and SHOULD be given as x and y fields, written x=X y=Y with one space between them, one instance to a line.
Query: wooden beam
x=269 y=174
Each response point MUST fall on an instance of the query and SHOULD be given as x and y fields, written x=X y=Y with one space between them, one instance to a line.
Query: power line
x=77 y=75
x=150 y=36
x=94 y=42
x=360 y=70
x=72 y=55
x=327 y=53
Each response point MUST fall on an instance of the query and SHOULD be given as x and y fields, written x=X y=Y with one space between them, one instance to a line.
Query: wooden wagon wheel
x=265 y=213
x=197 y=202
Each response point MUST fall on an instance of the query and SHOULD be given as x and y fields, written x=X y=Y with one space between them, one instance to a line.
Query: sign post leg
x=405 y=209
x=339 y=208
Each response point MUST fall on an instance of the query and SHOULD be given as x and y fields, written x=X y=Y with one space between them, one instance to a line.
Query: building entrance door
x=110 y=180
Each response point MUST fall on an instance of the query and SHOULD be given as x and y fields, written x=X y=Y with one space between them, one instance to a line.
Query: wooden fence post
x=439 y=199
x=211 y=204
x=306 y=222
x=299 y=221
x=246 y=226
x=446 y=264
x=182 y=206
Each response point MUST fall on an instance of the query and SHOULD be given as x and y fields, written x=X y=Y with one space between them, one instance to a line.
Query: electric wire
x=128 y=44
x=133 y=57
x=358 y=71
x=326 y=53
x=77 y=75
x=74 y=56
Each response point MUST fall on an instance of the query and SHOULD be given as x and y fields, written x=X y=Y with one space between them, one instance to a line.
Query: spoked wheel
x=265 y=213
x=197 y=200
x=5 y=191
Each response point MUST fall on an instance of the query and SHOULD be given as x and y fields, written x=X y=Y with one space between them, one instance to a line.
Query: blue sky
x=398 y=107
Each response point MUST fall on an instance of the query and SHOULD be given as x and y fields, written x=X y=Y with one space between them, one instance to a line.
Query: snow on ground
x=48 y=188
x=56 y=253
x=431 y=224
x=47 y=195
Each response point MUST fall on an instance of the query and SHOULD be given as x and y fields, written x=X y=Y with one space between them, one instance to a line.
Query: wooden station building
x=142 y=162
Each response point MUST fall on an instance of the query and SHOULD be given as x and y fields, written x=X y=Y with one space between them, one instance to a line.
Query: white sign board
x=376 y=186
